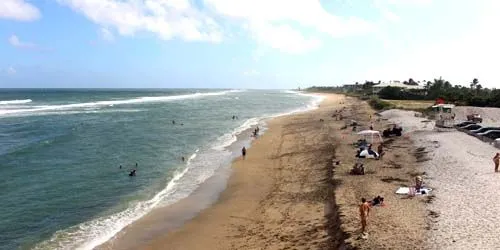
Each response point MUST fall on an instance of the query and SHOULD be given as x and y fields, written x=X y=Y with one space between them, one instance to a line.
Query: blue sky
x=245 y=43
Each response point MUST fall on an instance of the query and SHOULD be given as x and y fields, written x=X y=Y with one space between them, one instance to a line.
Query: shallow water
x=60 y=152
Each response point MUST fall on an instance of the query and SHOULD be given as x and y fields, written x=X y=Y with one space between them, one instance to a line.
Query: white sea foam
x=91 y=234
x=199 y=167
x=15 y=102
x=139 y=100
x=228 y=139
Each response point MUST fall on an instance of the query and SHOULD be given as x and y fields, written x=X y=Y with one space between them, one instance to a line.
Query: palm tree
x=474 y=83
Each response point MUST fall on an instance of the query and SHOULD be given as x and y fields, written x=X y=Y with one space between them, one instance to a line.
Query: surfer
x=132 y=173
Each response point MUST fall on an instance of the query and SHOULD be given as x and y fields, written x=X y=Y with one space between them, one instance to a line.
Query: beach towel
x=411 y=191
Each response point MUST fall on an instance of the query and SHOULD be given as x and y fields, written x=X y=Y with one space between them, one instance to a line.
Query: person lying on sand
x=496 y=160
x=364 y=212
x=377 y=201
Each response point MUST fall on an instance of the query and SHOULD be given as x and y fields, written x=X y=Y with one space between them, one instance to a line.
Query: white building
x=396 y=84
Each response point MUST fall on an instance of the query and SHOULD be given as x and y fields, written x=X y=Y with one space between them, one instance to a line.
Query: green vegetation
x=473 y=95
x=325 y=89
x=379 y=104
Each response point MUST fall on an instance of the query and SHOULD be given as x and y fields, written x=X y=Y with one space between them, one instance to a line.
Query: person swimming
x=173 y=121
x=120 y=166
x=183 y=159
x=132 y=173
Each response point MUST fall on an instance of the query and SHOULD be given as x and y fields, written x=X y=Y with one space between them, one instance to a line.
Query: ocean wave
x=139 y=100
x=228 y=139
x=93 y=233
x=199 y=167
x=15 y=102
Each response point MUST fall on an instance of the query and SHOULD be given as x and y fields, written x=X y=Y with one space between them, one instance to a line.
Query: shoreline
x=288 y=193
x=250 y=200
x=163 y=220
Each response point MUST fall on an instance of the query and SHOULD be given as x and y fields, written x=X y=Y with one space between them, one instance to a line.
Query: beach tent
x=371 y=136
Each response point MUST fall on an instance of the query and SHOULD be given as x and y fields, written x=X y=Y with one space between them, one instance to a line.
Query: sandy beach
x=289 y=194
x=465 y=208
x=462 y=212
x=275 y=198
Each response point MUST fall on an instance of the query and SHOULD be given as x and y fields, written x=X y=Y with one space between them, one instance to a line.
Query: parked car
x=394 y=129
x=463 y=124
x=475 y=118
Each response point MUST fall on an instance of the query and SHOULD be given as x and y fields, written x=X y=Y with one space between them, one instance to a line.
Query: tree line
x=472 y=95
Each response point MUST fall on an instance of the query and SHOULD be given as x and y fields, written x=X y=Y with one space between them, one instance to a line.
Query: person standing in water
x=496 y=160
x=173 y=121
x=183 y=159
x=243 y=152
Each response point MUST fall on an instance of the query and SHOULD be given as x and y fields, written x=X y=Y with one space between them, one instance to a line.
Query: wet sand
x=275 y=198
x=289 y=194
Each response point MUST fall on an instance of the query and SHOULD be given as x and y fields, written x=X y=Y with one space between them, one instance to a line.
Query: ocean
x=61 y=152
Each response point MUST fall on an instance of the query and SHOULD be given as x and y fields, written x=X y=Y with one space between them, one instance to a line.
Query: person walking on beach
x=364 y=212
x=496 y=160
x=243 y=152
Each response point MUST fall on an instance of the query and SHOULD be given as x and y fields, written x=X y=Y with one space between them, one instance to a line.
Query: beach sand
x=289 y=194
x=402 y=222
x=463 y=210
x=275 y=198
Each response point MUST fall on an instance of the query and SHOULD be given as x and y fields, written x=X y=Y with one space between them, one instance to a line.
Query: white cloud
x=106 y=35
x=18 y=10
x=409 y=2
x=273 y=23
x=269 y=22
x=14 y=41
x=284 y=38
x=11 y=71
x=459 y=59
x=252 y=72
x=389 y=15
x=167 y=18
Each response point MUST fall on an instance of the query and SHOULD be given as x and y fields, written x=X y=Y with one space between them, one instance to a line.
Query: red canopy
x=440 y=101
